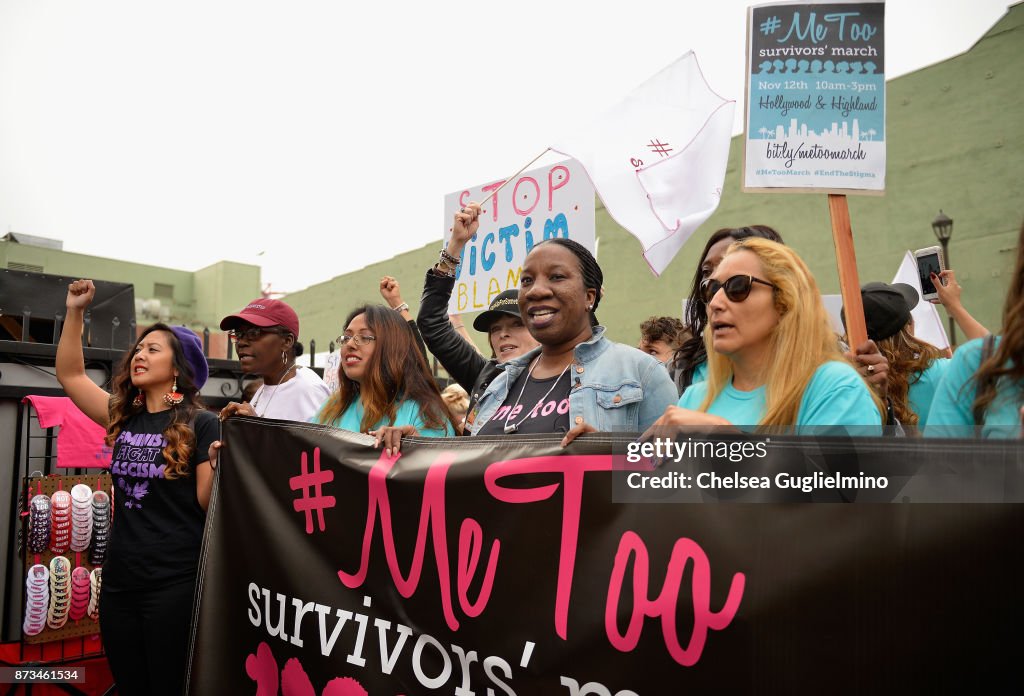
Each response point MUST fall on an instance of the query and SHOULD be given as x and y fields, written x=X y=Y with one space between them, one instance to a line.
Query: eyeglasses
x=736 y=288
x=250 y=334
x=357 y=339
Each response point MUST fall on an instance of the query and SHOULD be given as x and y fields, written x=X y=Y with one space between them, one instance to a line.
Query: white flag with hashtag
x=658 y=158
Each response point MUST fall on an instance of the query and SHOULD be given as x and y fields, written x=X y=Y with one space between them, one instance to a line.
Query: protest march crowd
x=756 y=351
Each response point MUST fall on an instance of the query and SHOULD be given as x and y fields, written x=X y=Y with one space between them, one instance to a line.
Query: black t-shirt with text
x=157 y=524
x=535 y=412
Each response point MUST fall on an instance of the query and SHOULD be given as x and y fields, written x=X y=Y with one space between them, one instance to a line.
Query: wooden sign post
x=815 y=120
x=846 y=260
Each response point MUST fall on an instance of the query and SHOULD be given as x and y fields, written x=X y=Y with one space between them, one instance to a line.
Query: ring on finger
x=871 y=369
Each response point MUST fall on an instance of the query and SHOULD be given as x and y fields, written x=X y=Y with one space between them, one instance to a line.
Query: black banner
x=505 y=566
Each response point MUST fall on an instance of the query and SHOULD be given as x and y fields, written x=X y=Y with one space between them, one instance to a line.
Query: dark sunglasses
x=250 y=334
x=736 y=288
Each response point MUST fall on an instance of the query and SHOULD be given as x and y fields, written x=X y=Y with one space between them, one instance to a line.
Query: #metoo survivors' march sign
x=816 y=97
x=501 y=566
x=554 y=201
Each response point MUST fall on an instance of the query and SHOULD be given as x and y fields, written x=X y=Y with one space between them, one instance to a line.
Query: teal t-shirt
x=408 y=413
x=951 y=413
x=922 y=391
x=835 y=396
x=700 y=373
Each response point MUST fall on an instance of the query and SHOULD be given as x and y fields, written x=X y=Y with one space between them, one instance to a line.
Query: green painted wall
x=955 y=142
x=222 y=289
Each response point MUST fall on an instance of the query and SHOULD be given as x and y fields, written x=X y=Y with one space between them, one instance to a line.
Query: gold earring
x=174 y=397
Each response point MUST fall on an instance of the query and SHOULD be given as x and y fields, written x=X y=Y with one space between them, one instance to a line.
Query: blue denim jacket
x=616 y=388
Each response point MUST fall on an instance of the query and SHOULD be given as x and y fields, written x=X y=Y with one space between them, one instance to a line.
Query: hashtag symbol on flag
x=770 y=25
x=308 y=482
x=661 y=148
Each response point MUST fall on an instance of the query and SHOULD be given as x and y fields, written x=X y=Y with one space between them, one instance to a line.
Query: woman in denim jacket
x=577 y=380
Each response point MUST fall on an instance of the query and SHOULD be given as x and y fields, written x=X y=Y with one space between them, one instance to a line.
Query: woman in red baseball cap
x=160 y=434
x=266 y=334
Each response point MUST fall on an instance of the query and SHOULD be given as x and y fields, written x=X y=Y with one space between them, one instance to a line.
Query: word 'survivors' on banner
x=552 y=201
x=658 y=157
x=512 y=566
x=816 y=97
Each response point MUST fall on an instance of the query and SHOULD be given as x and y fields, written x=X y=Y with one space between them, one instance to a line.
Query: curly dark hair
x=667 y=329
x=908 y=358
x=181 y=439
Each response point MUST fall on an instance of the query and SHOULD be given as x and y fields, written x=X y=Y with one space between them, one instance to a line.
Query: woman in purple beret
x=160 y=434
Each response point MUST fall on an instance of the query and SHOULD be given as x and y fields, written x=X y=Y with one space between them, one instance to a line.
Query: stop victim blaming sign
x=551 y=201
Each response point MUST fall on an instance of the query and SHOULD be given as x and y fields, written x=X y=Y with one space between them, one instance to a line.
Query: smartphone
x=929 y=260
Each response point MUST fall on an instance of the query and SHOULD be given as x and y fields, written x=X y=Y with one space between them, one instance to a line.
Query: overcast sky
x=314 y=137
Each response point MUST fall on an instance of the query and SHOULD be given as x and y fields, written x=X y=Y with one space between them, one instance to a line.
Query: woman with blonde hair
x=773 y=361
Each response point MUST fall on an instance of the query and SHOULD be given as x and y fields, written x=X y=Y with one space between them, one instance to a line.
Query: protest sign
x=815 y=98
x=496 y=565
x=552 y=201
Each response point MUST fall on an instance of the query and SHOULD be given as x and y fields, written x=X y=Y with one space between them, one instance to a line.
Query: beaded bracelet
x=442 y=272
x=445 y=256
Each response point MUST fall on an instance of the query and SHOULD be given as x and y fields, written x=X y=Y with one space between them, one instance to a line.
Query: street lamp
x=942 y=226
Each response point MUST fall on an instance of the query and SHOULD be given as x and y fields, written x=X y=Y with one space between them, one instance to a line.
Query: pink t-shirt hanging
x=80 y=440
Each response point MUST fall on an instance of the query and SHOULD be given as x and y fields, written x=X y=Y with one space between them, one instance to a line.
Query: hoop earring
x=174 y=397
x=138 y=401
x=284 y=358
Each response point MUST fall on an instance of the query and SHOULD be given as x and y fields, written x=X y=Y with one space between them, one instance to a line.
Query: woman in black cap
x=160 y=434
x=501 y=322
x=915 y=366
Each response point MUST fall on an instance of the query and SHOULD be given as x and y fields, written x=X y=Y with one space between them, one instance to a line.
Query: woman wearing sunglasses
x=772 y=355
x=386 y=388
x=266 y=336
x=689 y=365
x=690 y=362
